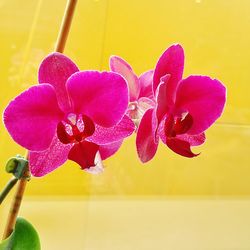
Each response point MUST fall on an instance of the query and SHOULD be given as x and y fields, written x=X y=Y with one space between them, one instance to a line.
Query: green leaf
x=4 y=244
x=24 y=237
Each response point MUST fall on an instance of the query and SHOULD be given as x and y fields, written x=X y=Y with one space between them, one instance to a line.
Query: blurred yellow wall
x=216 y=38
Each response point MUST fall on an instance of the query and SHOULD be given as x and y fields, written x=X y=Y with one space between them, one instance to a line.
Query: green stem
x=7 y=188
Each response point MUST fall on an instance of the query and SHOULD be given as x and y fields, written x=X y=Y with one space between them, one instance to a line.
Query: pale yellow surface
x=215 y=35
x=140 y=224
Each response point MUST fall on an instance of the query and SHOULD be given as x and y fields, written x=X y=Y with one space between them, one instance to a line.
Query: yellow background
x=216 y=37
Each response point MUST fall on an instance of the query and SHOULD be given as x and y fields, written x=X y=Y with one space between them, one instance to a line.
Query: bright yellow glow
x=140 y=224
x=216 y=43
x=216 y=38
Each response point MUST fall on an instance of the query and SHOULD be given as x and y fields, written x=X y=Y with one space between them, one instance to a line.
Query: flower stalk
x=21 y=183
x=15 y=206
x=65 y=27
x=12 y=182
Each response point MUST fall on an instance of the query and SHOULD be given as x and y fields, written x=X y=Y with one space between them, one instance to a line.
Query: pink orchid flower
x=140 y=88
x=185 y=108
x=71 y=114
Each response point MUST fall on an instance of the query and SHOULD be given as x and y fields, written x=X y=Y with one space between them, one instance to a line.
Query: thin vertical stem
x=65 y=27
x=11 y=183
x=60 y=45
x=15 y=206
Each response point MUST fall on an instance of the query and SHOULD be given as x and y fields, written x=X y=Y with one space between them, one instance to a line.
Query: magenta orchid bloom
x=185 y=108
x=140 y=88
x=71 y=114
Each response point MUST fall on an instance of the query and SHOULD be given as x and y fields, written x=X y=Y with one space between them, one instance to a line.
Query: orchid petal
x=145 y=103
x=75 y=135
x=162 y=101
x=110 y=149
x=137 y=109
x=62 y=134
x=203 y=98
x=193 y=140
x=44 y=162
x=84 y=153
x=183 y=124
x=146 y=84
x=55 y=69
x=32 y=117
x=180 y=147
x=118 y=132
x=145 y=139
x=101 y=96
x=98 y=168
x=120 y=66
x=170 y=63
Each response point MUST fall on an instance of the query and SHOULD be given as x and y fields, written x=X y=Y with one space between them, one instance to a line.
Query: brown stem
x=60 y=45
x=65 y=27
x=15 y=206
